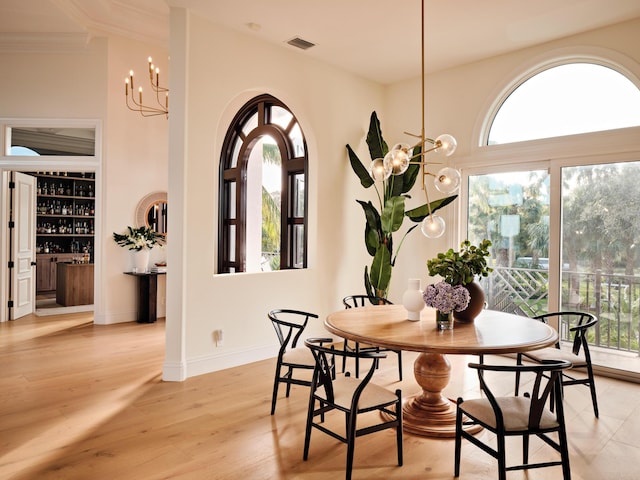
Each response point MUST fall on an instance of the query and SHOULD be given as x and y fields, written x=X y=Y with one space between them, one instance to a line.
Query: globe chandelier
x=401 y=155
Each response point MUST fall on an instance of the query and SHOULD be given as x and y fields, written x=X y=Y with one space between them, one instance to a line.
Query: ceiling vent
x=300 y=43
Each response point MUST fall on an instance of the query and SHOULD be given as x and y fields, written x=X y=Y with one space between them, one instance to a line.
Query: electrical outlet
x=219 y=337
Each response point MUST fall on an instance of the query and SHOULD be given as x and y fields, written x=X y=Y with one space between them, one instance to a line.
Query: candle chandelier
x=400 y=156
x=161 y=106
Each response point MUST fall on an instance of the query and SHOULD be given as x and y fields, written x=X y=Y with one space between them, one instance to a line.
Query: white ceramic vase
x=140 y=260
x=412 y=300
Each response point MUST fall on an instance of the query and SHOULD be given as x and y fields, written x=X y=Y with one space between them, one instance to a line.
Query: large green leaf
x=371 y=214
x=392 y=214
x=377 y=146
x=419 y=213
x=373 y=227
x=359 y=169
x=381 y=269
x=371 y=239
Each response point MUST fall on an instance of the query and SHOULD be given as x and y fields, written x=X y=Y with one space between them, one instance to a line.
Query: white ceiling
x=377 y=39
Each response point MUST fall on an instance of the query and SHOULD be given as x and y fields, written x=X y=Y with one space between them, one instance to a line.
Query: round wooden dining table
x=429 y=412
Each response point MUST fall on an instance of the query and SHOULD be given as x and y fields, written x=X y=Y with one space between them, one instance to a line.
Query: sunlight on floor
x=38 y=329
x=67 y=430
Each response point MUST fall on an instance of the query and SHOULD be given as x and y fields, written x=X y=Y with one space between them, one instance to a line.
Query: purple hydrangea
x=445 y=297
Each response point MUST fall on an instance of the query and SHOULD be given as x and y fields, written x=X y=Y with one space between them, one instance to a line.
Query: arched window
x=565 y=100
x=263 y=195
x=562 y=213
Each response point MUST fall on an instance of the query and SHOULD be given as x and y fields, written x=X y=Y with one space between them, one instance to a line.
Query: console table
x=147 y=295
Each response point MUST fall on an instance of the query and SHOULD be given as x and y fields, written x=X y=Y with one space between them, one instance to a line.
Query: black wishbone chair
x=578 y=323
x=516 y=416
x=289 y=325
x=331 y=392
x=354 y=301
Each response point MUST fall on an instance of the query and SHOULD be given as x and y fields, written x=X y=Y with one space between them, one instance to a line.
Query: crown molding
x=143 y=20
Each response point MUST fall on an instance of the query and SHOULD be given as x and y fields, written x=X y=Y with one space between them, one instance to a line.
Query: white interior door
x=23 y=245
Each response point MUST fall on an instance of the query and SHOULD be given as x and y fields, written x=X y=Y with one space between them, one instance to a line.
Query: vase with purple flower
x=446 y=299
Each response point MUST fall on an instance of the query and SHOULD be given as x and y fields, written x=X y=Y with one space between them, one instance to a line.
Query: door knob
x=33 y=264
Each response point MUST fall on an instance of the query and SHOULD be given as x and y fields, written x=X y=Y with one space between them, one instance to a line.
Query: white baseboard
x=215 y=362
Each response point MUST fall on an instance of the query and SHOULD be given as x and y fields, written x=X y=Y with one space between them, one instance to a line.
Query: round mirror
x=152 y=212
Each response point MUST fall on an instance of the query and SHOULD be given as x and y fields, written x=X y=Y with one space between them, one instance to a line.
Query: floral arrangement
x=446 y=297
x=138 y=238
x=460 y=268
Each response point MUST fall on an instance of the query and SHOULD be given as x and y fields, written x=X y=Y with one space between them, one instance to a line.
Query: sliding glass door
x=512 y=210
x=600 y=242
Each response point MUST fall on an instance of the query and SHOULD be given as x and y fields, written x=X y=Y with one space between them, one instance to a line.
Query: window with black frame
x=263 y=194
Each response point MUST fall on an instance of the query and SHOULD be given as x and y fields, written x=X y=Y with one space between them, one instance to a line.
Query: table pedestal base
x=430 y=413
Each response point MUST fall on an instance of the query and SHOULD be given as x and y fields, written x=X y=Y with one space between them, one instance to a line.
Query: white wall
x=136 y=152
x=46 y=79
x=219 y=71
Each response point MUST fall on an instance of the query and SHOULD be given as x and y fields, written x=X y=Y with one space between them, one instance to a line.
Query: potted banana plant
x=384 y=220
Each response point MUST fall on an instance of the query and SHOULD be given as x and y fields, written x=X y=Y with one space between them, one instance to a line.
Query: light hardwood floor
x=84 y=401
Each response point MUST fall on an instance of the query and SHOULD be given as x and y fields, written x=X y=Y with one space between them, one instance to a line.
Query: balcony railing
x=613 y=298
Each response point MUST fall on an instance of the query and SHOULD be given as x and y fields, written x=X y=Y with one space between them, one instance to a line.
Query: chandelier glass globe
x=433 y=226
x=378 y=171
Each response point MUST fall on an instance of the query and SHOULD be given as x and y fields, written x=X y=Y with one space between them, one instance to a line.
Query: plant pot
x=476 y=303
x=140 y=260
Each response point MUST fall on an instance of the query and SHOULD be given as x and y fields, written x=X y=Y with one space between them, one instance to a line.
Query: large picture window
x=263 y=194
x=554 y=188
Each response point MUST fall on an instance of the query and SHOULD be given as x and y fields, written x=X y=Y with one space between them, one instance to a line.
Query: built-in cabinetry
x=65 y=219
x=47 y=269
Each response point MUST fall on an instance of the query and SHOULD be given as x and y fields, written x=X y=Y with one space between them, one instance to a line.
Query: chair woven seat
x=515 y=411
x=300 y=356
x=345 y=387
x=550 y=353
